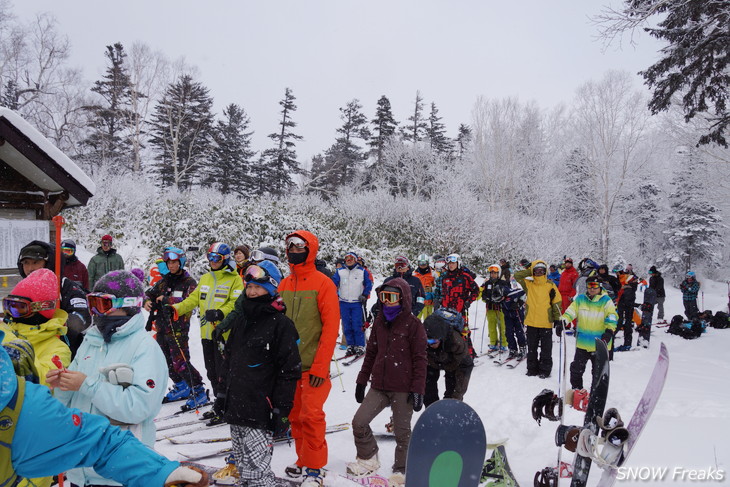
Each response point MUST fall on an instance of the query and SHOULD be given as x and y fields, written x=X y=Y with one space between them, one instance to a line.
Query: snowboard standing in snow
x=596 y=405
x=642 y=413
x=447 y=447
x=496 y=470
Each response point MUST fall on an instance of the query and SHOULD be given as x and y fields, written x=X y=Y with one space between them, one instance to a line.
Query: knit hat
x=273 y=272
x=652 y=270
x=106 y=237
x=122 y=284
x=243 y=248
x=138 y=273
x=40 y=285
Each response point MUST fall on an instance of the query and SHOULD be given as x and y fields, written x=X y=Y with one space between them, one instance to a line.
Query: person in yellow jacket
x=543 y=311
x=31 y=315
x=216 y=296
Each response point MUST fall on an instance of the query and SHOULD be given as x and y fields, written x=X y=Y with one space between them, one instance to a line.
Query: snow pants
x=351 y=315
x=457 y=382
x=497 y=334
x=513 y=320
x=626 y=323
x=177 y=354
x=660 y=308
x=253 y=450
x=578 y=367
x=644 y=330
x=425 y=312
x=213 y=359
x=402 y=411
x=690 y=309
x=539 y=338
x=308 y=422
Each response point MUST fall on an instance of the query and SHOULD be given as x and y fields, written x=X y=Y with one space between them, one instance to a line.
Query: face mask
x=390 y=312
x=107 y=325
x=297 y=258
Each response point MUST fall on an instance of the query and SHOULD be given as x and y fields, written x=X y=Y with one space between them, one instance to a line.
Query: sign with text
x=15 y=234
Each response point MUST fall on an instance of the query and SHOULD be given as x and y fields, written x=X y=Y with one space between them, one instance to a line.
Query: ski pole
x=484 y=329
x=339 y=374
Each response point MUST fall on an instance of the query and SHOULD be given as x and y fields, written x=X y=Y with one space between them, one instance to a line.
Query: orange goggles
x=67 y=251
x=102 y=303
x=390 y=297
x=21 y=307
x=593 y=285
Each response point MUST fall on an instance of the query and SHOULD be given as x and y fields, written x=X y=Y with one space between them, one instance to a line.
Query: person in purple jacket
x=395 y=364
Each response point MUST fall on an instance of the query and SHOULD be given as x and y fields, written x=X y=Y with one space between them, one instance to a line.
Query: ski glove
x=279 y=424
x=187 y=476
x=363 y=299
x=118 y=374
x=606 y=337
x=213 y=315
x=558 y=327
x=417 y=400
x=219 y=405
x=359 y=393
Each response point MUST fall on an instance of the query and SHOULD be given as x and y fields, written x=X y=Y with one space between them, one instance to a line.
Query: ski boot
x=198 y=397
x=313 y=477
x=362 y=468
x=178 y=392
x=228 y=475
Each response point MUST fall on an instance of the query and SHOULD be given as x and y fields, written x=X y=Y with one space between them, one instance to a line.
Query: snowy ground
x=690 y=428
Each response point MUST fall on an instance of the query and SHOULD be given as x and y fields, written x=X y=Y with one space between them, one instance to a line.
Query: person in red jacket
x=567 y=283
x=312 y=304
x=395 y=363
x=73 y=268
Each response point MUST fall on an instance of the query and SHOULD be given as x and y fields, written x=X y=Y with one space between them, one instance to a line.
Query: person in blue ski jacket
x=353 y=288
x=120 y=371
x=45 y=438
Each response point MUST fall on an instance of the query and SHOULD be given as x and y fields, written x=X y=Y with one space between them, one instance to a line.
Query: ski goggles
x=258 y=256
x=390 y=297
x=67 y=251
x=539 y=271
x=102 y=303
x=593 y=285
x=297 y=242
x=215 y=257
x=432 y=341
x=452 y=258
x=258 y=275
x=172 y=255
x=21 y=307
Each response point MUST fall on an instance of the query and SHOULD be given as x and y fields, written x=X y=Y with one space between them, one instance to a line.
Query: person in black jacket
x=626 y=304
x=39 y=255
x=656 y=282
x=402 y=269
x=261 y=370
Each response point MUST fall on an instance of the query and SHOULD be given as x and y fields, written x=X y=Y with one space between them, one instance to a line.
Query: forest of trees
x=615 y=174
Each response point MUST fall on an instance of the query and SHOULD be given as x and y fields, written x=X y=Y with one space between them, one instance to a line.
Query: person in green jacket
x=106 y=260
x=216 y=296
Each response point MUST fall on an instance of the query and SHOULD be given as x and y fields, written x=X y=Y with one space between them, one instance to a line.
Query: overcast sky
x=329 y=52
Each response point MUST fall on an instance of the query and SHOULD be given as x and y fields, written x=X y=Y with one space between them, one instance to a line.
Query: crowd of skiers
x=268 y=342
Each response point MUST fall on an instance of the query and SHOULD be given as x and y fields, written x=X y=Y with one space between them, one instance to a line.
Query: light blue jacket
x=50 y=438
x=136 y=405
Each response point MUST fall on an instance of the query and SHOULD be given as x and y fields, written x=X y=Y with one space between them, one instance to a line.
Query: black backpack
x=721 y=320
x=675 y=326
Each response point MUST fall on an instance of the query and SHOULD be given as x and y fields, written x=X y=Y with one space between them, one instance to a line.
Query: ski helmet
x=453 y=258
x=494 y=268
x=423 y=259
x=219 y=249
x=174 y=253
x=401 y=261
x=690 y=274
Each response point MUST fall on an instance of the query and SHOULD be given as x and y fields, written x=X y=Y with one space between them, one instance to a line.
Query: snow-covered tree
x=463 y=140
x=232 y=154
x=415 y=130
x=279 y=163
x=436 y=133
x=384 y=127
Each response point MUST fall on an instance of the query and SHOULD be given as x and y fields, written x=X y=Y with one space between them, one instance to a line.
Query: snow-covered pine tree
x=415 y=131
x=692 y=228
x=279 y=163
x=641 y=212
x=109 y=139
x=233 y=154
x=463 y=140
x=182 y=134
x=384 y=127
x=436 y=133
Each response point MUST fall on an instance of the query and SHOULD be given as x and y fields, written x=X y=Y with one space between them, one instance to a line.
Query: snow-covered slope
x=690 y=428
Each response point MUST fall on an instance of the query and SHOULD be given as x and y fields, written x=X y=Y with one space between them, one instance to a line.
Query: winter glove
x=606 y=337
x=219 y=405
x=213 y=315
x=558 y=327
x=118 y=374
x=363 y=299
x=359 y=393
x=416 y=399
x=187 y=476
x=279 y=424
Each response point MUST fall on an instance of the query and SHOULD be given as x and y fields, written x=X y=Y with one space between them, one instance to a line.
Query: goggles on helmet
x=21 y=307
x=215 y=257
x=67 y=251
x=258 y=256
x=432 y=341
x=539 y=271
x=494 y=268
x=102 y=303
x=172 y=255
x=593 y=285
x=258 y=275
x=296 y=242
x=452 y=258
x=390 y=297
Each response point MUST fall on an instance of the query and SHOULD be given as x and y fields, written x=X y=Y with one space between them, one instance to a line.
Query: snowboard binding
x=577 y=398
x=567 y=436
x=547 y=477
x=547 y=405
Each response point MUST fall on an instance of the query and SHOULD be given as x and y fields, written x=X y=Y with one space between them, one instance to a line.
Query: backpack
x=450 y=316
x=720 y=320
x=675 y=326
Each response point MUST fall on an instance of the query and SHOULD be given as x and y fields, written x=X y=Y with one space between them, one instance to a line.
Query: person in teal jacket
x=597 y=318
x=119 y=371
x=45 y=438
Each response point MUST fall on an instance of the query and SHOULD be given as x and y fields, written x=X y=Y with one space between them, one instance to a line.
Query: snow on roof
x=79 y=186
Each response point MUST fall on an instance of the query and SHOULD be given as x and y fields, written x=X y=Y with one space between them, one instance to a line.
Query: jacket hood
x=312 y=244
x=437 y=328
x=135 y=323
x=51 y=328
x=405 y=291
x=50 y=263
